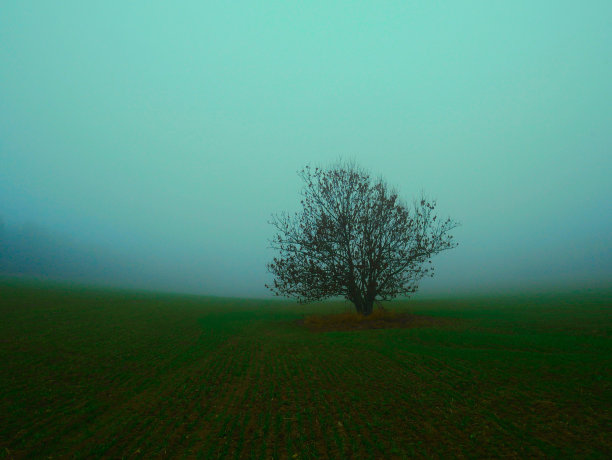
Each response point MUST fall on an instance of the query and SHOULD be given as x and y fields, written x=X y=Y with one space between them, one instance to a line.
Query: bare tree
x=354 y=238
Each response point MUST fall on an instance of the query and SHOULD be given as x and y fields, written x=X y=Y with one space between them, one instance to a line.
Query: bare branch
x=355 y=238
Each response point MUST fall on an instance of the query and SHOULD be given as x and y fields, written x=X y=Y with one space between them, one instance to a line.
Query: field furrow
x=106 y=374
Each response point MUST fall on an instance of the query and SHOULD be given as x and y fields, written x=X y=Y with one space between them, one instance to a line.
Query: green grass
x=92 y=372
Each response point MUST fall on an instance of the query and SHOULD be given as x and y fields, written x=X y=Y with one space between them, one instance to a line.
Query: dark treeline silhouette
x=32 y=250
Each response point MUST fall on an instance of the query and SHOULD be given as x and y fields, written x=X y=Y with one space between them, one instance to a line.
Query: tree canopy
x=354 y=237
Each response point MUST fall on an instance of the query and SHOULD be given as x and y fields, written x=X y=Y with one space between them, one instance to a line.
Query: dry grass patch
x=379 y=319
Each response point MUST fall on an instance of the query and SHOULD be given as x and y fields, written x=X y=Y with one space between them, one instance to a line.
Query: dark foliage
x=355 y=238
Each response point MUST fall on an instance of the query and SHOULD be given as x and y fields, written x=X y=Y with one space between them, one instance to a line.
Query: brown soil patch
x=379 y=319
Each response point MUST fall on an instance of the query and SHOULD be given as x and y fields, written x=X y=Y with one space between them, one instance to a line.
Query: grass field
x=95 y=373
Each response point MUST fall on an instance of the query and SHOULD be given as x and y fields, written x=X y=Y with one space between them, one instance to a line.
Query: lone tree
x=354 y=238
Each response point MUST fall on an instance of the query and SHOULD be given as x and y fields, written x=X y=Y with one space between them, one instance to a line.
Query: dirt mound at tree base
x=379 y=319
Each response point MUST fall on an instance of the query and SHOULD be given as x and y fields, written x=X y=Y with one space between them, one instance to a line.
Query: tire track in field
x=443 y=374
x=293 y=400
x=183 y=404
x=128 y=424
x=267 y=406
x=262 y=390
x=334 y=419
x=345 y=417
x=226 y=411
x=301 y=382
x=325 y=429
x=274 y=403
x=316 y=439
x=237 y=408
x=375 y=394
x=74 y=414
x=412 y=383
x=257 y=395
x=81 y=411
x=205 y=403
x=474 y=405
x=362 y=383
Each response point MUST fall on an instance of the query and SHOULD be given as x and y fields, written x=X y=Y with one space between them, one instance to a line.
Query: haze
x=157 y=138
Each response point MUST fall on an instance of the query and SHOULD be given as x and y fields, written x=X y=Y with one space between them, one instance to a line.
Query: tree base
x=379 y=319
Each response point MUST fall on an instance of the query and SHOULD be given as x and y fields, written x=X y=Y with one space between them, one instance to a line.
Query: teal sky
x=170 y=131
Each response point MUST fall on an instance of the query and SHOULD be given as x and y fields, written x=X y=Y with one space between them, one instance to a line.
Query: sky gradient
x=169 y=132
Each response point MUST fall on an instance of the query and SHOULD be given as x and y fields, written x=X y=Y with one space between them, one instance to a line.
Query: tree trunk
x=368 y=299
x=368 y=307
x=364 y=306
x=363 y=301
x=354 y=295
x=358 y=304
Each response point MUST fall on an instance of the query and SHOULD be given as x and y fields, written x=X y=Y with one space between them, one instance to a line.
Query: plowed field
x=92 y=373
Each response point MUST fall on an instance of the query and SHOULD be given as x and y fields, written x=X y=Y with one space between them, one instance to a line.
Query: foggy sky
x=168 y=133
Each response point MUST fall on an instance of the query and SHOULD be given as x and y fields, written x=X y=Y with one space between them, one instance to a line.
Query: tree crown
x=355 y=238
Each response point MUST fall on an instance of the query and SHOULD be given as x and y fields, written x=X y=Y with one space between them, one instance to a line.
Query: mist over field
x=145 y=144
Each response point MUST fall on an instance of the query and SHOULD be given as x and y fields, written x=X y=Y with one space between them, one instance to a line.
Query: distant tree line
x=32 y=250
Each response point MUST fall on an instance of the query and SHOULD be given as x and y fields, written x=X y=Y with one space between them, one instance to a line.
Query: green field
x=102 y=373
